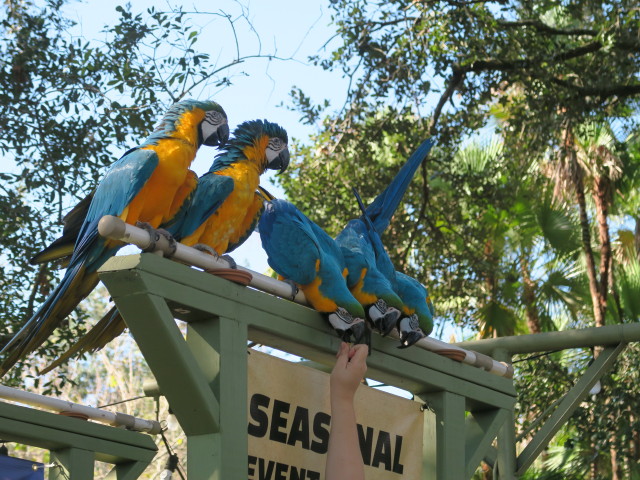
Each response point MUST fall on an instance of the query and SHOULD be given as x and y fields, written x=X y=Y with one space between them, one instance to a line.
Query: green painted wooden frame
x=76 y=444
x=204 y=377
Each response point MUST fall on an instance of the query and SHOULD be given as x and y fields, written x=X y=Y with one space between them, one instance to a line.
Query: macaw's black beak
x=281 y=162
x=409 y=338
x=361 y=333
x=388 y=321
x=219 y=138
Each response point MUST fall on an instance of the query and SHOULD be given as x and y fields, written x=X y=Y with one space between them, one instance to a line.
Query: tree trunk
x=601 y=197
x=588 y=251
x=577 y=177
x=529 y=296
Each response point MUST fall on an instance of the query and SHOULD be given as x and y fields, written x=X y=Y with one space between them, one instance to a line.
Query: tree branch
x=543 y=27
x=457 y=77
x=604 y=92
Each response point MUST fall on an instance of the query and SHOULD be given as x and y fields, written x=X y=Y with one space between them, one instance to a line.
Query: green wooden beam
x=548 y=341
x=296 y=329
x=162 y=344
x=57 y=432
x=481 y=429
x=567 y=406
x=75 y=444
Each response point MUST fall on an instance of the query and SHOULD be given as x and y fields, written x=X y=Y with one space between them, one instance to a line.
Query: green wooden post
x=447 y=426
x=73 y=464
x=220 y=347
x=506 y=461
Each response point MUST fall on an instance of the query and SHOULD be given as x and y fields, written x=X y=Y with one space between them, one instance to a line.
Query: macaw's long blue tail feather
x=110 y=326
x=79 y=280
x=383 y=207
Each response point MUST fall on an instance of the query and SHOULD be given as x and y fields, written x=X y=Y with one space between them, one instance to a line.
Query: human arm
x=344 y=459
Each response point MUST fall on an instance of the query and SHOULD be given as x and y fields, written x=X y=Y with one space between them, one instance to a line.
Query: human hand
x=350 y=367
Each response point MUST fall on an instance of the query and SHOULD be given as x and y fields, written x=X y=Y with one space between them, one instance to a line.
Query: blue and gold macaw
x=219 y=214
x=371 y=276
x=417 y=321
x=140 y=187
x=226 y=206
x=301 y=252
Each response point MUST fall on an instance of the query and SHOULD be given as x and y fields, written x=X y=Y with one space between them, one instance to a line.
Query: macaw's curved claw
x=204 y=248
x=410 y=331
x=294 y=287
x=173 y=245
x=232 y=263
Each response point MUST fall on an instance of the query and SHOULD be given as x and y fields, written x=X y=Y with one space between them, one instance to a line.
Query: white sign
x=289 y=423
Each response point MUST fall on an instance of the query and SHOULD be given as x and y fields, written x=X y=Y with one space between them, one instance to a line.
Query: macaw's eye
x=213 y=118
x=344 y=315
x=276 y=144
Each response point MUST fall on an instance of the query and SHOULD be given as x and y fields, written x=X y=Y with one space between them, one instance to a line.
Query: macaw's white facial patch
x=211 y=122
x=276 y=145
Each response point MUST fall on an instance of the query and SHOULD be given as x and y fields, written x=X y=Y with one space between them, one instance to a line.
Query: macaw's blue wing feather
x=211 y=192
x=416 y=297
x=122 y=182
x=383 y=207
x=291 y=245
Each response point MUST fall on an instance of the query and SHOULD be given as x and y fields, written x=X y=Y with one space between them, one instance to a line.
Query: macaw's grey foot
x=350 y=328
x=410 y=331
x=294 y=287
x=154 y=236
x=206 y=249
x=383 y=317
x=232 y=263
x=173 y=245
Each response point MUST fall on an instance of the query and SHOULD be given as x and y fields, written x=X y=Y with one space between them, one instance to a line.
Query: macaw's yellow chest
x=233 y=219
x=153 y=203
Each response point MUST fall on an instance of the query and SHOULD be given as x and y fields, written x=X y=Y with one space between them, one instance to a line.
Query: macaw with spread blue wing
x=140 y=187
x=219 y=215
x=371 y=276
x=301 y=252
x=417 y=321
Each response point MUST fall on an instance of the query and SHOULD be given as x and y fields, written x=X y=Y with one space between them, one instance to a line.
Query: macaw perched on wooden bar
x=301 y=252
x=140 y=187
x=218 y=215
x=371 y=276
x=418 y=311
